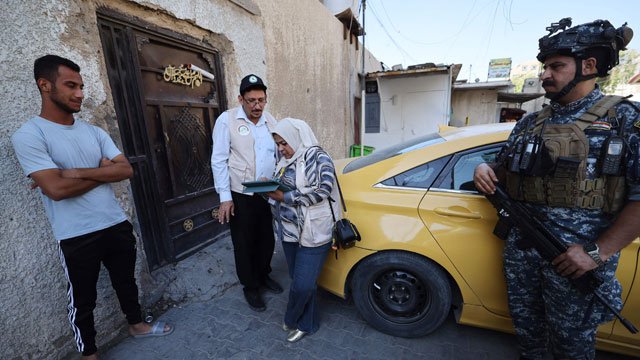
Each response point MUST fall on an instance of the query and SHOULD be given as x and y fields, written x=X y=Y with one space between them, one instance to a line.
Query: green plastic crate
x=355 y=150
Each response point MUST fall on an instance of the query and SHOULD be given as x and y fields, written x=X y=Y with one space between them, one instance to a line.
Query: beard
x=59 y=103
x=551 y=95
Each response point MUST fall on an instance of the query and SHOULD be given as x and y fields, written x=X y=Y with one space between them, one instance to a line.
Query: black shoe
x=254 y=300
x=272 y=286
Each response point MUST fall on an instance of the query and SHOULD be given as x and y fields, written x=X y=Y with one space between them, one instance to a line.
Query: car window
x=393 y=150
x=419 y=177
x=461 y=177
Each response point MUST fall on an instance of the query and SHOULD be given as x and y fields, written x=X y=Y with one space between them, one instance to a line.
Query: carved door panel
x=167 y=114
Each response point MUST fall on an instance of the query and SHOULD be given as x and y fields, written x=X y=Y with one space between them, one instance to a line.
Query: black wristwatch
x=594 y=251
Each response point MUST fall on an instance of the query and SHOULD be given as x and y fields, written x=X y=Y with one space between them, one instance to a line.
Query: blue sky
x=475 y=31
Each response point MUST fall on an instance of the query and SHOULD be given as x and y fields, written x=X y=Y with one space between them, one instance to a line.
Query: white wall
x=410 y=106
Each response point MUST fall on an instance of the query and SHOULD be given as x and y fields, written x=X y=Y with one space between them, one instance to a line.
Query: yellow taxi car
x=427 y=241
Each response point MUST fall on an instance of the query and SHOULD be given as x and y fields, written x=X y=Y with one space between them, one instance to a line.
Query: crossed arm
x=63 y=184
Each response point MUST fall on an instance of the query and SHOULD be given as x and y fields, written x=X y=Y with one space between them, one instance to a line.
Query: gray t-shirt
x=41 y=144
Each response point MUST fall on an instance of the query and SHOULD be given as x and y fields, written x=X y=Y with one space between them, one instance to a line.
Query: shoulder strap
x=543 y=115
x=598 y=110
x=631 y=103
x=344 y=206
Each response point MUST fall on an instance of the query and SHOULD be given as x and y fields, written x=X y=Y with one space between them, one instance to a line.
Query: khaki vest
x=242 y=156
x=318 y=224
x=605 y=192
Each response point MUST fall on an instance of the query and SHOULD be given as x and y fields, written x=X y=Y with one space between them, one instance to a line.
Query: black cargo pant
x=252 y=237
x=81 y=256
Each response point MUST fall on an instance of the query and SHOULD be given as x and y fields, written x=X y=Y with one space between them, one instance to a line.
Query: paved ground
x=213 y=322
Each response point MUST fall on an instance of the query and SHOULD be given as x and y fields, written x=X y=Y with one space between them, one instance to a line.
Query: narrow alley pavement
x=213 y=321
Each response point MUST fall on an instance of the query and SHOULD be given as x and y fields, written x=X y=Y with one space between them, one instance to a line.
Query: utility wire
x=444 y=40
x=400 y=49
x=490 y=32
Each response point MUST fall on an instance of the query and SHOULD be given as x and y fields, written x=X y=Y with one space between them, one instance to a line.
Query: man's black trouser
x=81 y=256
x=252 y=237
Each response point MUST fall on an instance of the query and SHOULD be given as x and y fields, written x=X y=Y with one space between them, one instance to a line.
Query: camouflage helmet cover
x=576 y=40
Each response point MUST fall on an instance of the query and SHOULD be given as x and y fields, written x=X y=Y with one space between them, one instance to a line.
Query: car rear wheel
x=401 y=293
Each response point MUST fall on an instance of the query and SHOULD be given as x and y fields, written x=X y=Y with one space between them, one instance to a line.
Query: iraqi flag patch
x=599 y=125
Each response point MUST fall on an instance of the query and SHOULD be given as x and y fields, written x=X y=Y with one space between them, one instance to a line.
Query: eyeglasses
x=254 y=102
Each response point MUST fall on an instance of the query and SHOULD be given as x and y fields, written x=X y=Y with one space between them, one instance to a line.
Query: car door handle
x=449 y=212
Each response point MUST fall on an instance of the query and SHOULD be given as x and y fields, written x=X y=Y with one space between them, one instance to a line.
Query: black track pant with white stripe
x=81 y=256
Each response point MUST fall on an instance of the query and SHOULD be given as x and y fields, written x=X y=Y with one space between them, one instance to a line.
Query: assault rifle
x=512 y=212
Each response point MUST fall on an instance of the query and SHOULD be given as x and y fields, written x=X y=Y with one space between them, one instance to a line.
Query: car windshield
x=394 y=150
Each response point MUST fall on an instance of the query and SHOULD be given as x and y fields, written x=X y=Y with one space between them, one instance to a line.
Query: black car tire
x=401 y=293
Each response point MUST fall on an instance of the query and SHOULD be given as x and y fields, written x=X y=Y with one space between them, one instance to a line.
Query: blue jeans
x=305 y=264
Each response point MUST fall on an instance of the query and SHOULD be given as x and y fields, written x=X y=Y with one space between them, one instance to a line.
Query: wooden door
x=166 y=114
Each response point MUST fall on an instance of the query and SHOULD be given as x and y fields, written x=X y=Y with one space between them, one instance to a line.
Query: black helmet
x=578 y=40
x=597 y=39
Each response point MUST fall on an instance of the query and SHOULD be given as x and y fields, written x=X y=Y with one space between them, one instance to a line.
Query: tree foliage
x=518 y=81
x=621 y=74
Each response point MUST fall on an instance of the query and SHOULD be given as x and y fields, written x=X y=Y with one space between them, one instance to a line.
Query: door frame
x=129 y=104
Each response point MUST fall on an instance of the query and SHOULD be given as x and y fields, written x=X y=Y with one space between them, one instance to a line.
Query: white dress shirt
x=264 y=148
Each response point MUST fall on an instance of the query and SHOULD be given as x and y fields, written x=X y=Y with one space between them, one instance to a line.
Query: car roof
x=474 y=130
x=454 y=136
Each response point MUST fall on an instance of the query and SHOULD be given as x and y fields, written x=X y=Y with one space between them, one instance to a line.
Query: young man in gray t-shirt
x=73 y=163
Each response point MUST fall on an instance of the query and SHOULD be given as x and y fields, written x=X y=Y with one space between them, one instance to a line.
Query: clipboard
x=264 y=186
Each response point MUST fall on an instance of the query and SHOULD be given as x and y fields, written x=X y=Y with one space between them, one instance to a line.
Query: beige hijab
x=298 y=135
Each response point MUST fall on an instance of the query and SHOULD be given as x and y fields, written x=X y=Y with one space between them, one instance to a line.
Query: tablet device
x=264 y=186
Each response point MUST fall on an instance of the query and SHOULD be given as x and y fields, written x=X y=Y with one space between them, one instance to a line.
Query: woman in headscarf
x=302 y=219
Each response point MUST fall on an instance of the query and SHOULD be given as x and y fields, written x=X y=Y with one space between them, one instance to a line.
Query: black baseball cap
x=250 y=82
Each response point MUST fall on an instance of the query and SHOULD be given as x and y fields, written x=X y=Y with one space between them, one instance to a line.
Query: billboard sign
x=499 y=68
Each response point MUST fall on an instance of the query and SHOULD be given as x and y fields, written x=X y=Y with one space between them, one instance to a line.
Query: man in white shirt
x=244 y=150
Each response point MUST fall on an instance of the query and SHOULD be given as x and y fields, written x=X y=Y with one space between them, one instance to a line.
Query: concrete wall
x=479 y=105
x=410 y=106
x=312 y=70
x=300 y=54
x=533 y=85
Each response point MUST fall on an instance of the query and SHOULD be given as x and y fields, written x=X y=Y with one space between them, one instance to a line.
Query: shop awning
x=517 y=97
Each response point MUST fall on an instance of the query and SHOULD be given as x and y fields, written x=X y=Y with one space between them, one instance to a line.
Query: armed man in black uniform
x=577 y=163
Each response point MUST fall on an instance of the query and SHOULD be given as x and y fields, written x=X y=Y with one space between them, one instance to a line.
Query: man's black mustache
x=548 y=83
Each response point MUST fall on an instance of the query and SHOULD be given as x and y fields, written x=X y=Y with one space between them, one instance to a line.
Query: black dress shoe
x=272 y=286
x=253 y=299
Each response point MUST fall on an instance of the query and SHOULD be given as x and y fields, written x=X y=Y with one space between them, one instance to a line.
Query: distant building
x=477 y=103
x=527 y=69
x=533 y=85
x=491 y=102
x=402 y=104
